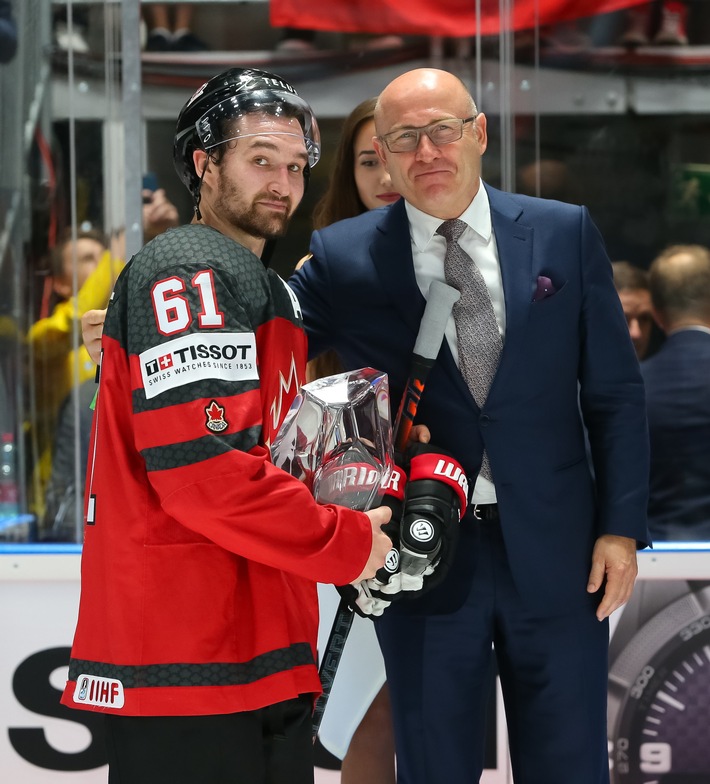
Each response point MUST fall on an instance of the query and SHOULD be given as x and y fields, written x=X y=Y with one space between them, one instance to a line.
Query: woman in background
x=358 y=183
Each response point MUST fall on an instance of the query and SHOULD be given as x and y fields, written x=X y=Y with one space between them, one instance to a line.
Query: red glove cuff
x=444 y=468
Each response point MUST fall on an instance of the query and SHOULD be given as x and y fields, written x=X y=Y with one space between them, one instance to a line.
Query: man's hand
x=92 y=327
x=419 y=434
x=159 y=214
x=613 y=558
x=381 y=543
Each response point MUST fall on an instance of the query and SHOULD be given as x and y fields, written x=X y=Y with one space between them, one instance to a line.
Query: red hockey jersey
x=200 y=557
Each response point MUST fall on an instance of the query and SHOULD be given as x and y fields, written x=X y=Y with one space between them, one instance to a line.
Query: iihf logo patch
x=103 y=692
x=215 y=417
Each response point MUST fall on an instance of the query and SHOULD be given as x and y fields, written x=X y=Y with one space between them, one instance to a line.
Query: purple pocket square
x=544 y=289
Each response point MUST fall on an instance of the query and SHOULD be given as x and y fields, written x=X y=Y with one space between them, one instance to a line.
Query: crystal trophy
x=337 y=438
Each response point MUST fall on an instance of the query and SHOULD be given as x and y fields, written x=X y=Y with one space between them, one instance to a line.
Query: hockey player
x=198 y=615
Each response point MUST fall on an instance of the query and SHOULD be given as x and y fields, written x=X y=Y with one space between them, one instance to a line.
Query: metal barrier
x=24 y=84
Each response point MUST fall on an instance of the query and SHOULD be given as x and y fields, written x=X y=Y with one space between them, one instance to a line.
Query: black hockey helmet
x=206 y=120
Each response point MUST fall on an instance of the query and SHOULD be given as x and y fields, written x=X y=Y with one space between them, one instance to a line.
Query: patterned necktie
x=477 y=336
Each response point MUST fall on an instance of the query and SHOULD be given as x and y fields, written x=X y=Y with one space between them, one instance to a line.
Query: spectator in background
x=82 y=257
x=359 y=181
x=159 y=213
x=8 y=32
x=677 y=382
x=83 y=272
x=63 y=501
x=632 y=286
x=662 y=24
x=71 y=37
x=295 y=40
x=83 y=275
x=171 y=32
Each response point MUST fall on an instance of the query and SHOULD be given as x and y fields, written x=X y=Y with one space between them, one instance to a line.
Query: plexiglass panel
x=599 y=103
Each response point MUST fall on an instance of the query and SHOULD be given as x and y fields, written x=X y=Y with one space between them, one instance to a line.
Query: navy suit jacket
x=678 y=391
x=564 y=354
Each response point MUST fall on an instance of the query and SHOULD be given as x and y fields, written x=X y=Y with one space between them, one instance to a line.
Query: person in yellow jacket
x=59 y=360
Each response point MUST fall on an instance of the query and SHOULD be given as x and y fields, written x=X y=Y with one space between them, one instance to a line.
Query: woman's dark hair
x=341 y=199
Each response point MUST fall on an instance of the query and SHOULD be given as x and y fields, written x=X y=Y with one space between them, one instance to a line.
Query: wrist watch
x=659 y=685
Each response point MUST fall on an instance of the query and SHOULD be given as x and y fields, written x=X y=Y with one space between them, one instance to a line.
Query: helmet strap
x=197 y=196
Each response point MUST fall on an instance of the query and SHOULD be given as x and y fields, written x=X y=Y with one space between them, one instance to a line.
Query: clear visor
x=268 y=112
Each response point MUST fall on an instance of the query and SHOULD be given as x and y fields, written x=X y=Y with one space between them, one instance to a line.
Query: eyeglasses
x=439 y=132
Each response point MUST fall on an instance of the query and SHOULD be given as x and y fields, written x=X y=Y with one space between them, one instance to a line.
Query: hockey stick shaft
x=339 y=632
x=429 y=338
x=441 y=300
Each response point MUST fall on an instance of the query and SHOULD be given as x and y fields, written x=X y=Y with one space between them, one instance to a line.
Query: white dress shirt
x=478 y=240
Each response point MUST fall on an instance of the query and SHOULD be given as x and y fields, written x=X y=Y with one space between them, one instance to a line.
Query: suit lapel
x=515 y=255
x=391 y=253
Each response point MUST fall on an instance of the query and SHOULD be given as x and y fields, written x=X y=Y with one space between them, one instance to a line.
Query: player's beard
x=250 y=216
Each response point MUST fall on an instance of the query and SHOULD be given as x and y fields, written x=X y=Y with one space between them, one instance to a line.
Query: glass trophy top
x=337 y=438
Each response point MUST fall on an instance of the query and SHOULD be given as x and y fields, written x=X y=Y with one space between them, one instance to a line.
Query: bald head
x=420 y=87
x=437 y=176
x=679 y=280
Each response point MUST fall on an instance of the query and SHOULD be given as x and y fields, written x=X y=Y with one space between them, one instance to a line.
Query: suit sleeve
x=612 y=398
x=311 y=284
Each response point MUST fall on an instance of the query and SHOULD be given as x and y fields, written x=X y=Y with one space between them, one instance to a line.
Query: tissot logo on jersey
x=226 y=355
x=161 y=363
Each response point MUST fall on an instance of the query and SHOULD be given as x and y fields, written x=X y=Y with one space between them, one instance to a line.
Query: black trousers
x=272 y=745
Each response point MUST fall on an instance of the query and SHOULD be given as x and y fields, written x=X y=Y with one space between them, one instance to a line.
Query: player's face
x=637 y=309
x=259 y=181
x=373 y=182
x=439 y=180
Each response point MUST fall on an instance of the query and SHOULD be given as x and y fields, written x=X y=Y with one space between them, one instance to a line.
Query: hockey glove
x=360 y=597
x=435 y=500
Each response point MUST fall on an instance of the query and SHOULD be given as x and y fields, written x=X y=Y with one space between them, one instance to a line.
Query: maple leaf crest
x=215 y=417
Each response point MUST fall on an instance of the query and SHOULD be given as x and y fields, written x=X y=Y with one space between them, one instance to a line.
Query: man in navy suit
x=547 y=549
x=677 y=382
